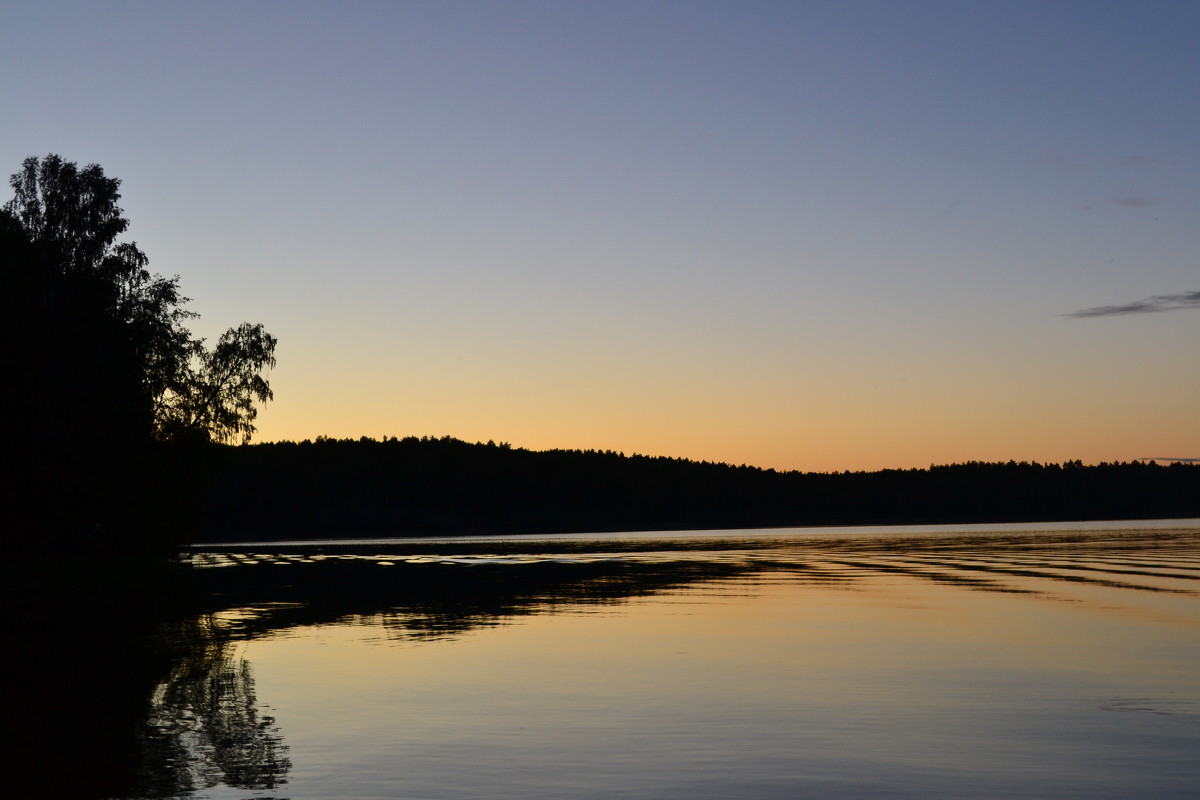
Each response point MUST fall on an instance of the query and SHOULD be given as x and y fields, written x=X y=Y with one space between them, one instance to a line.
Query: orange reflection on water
x=964 y=664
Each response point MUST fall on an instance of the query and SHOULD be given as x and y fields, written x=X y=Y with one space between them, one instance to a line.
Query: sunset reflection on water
x=768 y=664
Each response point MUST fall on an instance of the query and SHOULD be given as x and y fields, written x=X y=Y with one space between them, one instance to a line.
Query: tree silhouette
x=102 y=370
x=80 y=282
x=217 y=397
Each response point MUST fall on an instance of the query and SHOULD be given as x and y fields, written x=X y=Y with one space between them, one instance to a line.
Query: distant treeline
x=429 y=486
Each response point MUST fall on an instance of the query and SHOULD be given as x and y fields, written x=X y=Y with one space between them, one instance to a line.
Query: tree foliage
x=110 y=332
x=217 y=396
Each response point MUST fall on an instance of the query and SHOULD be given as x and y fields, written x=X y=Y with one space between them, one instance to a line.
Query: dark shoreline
x=404 y=488
x=654 y=538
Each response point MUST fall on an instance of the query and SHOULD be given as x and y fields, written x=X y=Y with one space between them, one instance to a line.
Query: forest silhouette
x=413 y=486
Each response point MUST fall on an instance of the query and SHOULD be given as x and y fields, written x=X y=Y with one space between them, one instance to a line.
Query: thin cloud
x=1169 y=458
x=1151 y=305
x=1137 y=202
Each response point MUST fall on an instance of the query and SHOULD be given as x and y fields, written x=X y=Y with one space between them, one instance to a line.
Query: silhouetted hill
x=411 y=487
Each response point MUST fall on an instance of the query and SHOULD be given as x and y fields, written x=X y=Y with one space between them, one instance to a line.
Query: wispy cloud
x=1170 y=458
x=1151 y=305
x=1136 y=202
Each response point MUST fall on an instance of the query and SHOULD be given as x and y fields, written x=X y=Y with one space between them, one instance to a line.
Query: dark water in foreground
x=970 y=661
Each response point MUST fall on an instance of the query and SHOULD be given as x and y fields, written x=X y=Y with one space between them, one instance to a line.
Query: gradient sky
x=804 y=235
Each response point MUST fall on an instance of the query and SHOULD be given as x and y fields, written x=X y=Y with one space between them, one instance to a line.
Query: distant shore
x=366 y=488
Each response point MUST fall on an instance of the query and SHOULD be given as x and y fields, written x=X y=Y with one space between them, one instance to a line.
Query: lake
x=1016 y=661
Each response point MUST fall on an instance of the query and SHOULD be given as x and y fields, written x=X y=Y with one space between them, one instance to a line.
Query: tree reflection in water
x=119 y=684
x=204 y=727
x=160 y=702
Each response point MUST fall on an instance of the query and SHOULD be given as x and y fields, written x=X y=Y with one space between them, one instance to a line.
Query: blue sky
x=801 y=235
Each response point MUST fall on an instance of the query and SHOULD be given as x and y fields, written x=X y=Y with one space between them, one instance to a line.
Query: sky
x=820 y=236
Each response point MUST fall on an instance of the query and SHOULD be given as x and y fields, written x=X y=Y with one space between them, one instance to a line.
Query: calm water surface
x=971 y=661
